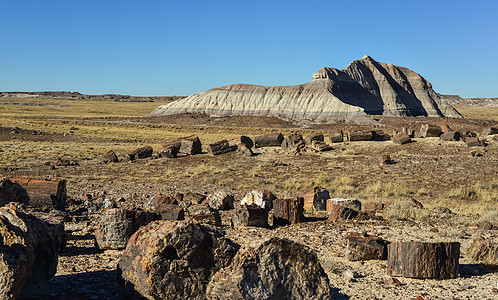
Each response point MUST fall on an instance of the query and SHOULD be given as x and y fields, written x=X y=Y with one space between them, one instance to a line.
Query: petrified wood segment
x=190 y=145
x=401 y=138
x=44 y=193
x=316 y=198
x=423 y=260
x=140 y=153
x=242 y=140
x=220 y=147
x=269 y=140
x=365 y=247
x=360 y=135
x=250 y=215
x=288 y=211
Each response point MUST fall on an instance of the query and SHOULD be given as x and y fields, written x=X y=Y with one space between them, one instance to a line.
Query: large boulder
x=278 y=269
x=166 y=260
x=28 y=251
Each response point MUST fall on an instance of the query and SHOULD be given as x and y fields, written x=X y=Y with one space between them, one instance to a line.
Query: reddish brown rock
x=245 y=140
x=269 y=140
x=110 y=157
x=171 y=150
x=373 y=207
x=202 y=213
x=250 y=215
x=474 y=142
x=288 y=211
x=315 y=199
x=293 y=143
x=450 y=136
x=365 y=247
x=401 y=138
x=339 y=212
x=380 y=135
x=44 y=193
x=143 y=152
x=423 y=260
x=429 y=130
x=319 y=146
x=190 y=145
x=220 y=147
x=386 y=160
x=166 y=260
x=336 y=137
x=314 y=137
x=446 y=128
x=28 y=252
x=360 y=135
x=278 y=269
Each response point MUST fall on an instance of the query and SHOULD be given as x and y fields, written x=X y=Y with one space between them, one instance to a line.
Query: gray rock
x=278 y=269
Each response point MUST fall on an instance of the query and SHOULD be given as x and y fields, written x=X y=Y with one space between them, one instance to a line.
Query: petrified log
x=44 y=193
x=222 y=200
x=242 y=140
x=190 y=145
x=365 y=247
x=401 y=138
x=409 y=131
x=157 y=203
x=445 y=128
x=336 y=137
x=250 y=215
x=484 y=251
x=320 y=146
x=170 y=150
x=429 y=130
x=140 y=153
x=489 y=131
x=117 y=225
x=109 y=157
x=294 y=143
x=288 y=211
x=12 y=191
x=423 y=260
x=202 y=213
x=372 y=208
x=352 y=203
x=315 y=136
x=269 y=140
x=174 y=260
x=315 y=199
x=220 y=147
x=172 y=212
x=450 y=136
x=243 y=150
x=360 y=135
x=380 y=135
x=28 y=252
x=278 y=269
x=386 y=160
x=474 y=142
x=339 y=212
x=262 y=199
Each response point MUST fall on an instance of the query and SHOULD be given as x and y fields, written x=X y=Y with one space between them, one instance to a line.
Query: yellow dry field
x=478 y=112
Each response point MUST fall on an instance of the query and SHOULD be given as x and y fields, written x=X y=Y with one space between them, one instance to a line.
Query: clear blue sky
x=184 y=47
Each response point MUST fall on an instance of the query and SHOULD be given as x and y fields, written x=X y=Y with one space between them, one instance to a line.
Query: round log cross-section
x=423 y=260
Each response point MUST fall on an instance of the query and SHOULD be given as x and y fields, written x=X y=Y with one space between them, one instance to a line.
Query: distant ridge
x=364 y=87
x=78 y=96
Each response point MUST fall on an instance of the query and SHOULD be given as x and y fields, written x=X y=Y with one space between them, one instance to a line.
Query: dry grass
x=478 y=112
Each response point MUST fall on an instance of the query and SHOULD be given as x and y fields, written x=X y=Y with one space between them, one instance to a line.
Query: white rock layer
x=364 y=87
